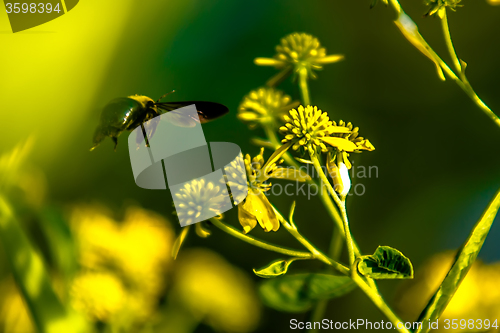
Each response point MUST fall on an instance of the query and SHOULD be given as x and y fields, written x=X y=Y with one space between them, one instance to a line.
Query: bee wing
x=149 y=128
x=207 y=111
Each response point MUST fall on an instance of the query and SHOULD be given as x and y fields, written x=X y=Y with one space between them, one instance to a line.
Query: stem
x=304 y=90
x=317 y=313
x=371 y=291
x=352 y=247
x=449 y=42
x=251 y=240
x=349 y=241
x=336 y=243
x=327 y=201
x=378 y=301
x=316 y=253
x=463 y=84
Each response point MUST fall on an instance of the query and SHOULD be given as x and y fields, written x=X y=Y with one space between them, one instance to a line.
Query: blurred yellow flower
x=478 y=297
x=98 y=294
x=135 y=253
x=266 y=107
x=215 y=292
x=494 y=2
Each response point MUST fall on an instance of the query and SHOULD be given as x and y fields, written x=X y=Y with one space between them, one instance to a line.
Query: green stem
x=449 y=42
x=351 y=246
x=316 y=253
x=304 y=90
x=371 y=291
x=251 y=240
x=377 y=299
x=327 y=201
x=319 y=309
x=349 y=241
x=336 y=243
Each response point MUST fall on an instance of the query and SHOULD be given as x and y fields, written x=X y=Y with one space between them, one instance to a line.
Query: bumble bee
x=127 y=113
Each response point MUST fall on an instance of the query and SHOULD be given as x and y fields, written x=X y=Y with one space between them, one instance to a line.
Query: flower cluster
x=265 y=107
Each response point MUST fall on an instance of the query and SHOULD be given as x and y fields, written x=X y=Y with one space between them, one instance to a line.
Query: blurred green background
x=437 y=154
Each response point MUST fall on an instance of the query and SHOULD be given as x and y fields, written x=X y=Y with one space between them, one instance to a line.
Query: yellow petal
x=268 y=62
x=330 y=59
x=247 y=116
x=339 y=129
x=340 y=143
x=247 y=220
x=257 y=205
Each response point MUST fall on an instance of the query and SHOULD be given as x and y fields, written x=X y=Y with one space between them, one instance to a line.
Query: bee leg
x=115 y=140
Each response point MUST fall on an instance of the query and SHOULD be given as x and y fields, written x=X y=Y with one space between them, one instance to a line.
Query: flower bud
x=340 y=177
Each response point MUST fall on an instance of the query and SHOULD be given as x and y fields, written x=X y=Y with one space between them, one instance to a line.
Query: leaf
x=411 y=33
x=298 y=292
x=386 y=263
x=60 y=241
x=48 y=313
x=463 y=262
x=274 y=269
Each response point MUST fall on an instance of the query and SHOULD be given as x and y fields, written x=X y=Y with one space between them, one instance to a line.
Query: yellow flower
x=298 y=52
x=99 y=295
x=236 y=179
x=359 y=142
x=265 y=106
x=131 y=256
x=256 y=207
x=310 y=128
x=215 y=292
x=200 y=199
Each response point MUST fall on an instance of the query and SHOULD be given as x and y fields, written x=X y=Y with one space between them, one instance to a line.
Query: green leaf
x=386 y=263
x=463 y=262
x=298 y=292
x=60 y=241
x=274 y=269
x=48 y=313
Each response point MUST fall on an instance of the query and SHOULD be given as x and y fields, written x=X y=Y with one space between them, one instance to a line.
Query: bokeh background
x=437 y=154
